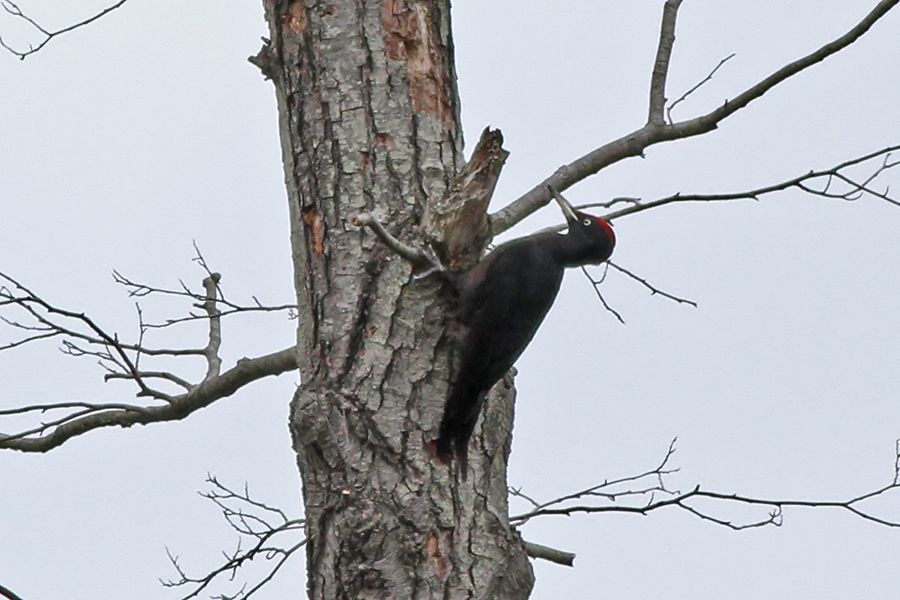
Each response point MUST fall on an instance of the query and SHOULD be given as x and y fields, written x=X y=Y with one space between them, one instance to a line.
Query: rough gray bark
x=369 y=121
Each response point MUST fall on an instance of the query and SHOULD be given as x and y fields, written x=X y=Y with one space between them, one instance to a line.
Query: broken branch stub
x=457 y=225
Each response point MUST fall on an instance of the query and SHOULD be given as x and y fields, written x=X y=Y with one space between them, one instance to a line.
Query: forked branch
x=224 y=306
x=650 y=491
x=13 y=9
x=33 y=318
x=850 y=180
x=270 y=533
x=656 y=130
x=597 y=282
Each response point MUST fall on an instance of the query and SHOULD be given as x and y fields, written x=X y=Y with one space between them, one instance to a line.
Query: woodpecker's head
x=594 y=235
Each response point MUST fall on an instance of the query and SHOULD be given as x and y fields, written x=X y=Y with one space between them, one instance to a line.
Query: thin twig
x=824 y=177
x=653 y=289
x=250 y=519
x=611 y=489
x=13 y=9
x=182 y=383
x=115 y=352
x=696 y=87
x=595 y=283
x=140 y=290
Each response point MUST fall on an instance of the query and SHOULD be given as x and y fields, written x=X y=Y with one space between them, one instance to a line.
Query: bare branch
x=211 y=352
x=653 y=290
x=825 y=178
x=897 y=463
x=25 y=340
x=649 y=484
x=51 y=435
x=251 y=520
x=291 y=308
x=518 y=493
x=612 y=489
x=661 y=64
x=609 y=204
x=83 y=337
x=21 y=410
x=425 y=261
x=222 y=493
x=696 y=87
x=595 y=283
x=153 y=375
x=13 y=9
x=140 y=290
x=634 y=143
x=113 y=354
x=560 y=557
x=711 y=120
x=44 y=313
x=8 y=593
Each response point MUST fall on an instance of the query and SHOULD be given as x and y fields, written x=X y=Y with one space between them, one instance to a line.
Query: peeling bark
x=457 y=225
x=369 y=120
x=411 y=36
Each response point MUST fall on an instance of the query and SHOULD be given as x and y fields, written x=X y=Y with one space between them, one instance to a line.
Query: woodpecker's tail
x=460 y=416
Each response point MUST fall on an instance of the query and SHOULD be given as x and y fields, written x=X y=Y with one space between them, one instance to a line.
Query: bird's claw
x=434 y=262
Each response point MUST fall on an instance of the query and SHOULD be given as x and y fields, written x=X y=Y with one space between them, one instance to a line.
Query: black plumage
x=502 y=302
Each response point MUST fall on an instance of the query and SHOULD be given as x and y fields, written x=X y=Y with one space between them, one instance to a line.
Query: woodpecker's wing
x=504 y=301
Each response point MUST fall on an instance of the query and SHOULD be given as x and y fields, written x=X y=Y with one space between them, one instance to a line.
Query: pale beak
x=567 y=209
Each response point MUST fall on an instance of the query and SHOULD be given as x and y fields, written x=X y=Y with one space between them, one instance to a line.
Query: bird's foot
x=435 y=266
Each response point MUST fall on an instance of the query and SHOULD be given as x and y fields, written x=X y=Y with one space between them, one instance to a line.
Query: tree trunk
x=369 y=119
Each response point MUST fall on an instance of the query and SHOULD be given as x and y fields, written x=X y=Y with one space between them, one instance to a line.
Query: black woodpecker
x=502 y=302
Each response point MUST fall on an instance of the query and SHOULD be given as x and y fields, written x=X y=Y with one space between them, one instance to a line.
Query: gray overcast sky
x=122 y=143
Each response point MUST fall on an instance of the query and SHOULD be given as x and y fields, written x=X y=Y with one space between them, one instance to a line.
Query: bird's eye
x=587 y=221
